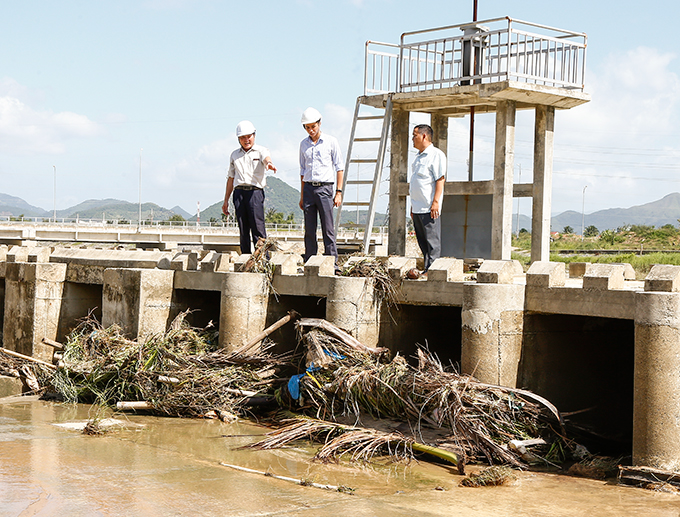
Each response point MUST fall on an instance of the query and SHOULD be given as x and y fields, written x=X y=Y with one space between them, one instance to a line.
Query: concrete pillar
x=351 y=305
x=33 y=294
x=656 y=398
x=138 y=300
x=543 y=168
x=399 y=141
x=492 y=321
x=243 y=312
x=504 y=159
x=440 y=127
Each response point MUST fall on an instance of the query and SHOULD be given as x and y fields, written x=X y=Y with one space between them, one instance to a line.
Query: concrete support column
x=399 y=138
x=440 y=127
x=493 y=321
x=656 y=399
x=351 y=305
x=243 y=311
x=504 y=160
x=138 y=300
x=33 y=295
x=543 y=168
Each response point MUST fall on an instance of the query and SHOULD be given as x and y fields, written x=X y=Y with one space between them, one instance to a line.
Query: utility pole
x=55 y=193
x=518 y=199
x=140 y=188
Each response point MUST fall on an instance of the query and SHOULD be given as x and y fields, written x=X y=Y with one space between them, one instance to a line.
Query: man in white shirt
x=426 y=189
x=246 y=180
x=321 y=173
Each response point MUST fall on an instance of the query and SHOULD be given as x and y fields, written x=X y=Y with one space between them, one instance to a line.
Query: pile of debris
x=179 y=373
x=441 y=412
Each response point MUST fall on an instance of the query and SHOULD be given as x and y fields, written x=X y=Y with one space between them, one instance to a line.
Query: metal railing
x=190 y=227
x=488 y=51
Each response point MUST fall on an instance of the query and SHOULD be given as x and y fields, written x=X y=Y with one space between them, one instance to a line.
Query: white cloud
x=624 y=142
x=24 y=130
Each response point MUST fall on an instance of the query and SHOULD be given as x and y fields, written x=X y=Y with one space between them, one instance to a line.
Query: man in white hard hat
x=426 y=189
x=321 y=173
x=246 y=180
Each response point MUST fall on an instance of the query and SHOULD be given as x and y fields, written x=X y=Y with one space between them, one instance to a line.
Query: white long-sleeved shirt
x=322 y=160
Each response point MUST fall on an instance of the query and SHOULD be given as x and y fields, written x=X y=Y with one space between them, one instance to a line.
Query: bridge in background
x=164 y=235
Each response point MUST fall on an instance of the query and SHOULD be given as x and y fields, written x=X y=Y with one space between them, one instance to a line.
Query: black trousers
x=319 y=201
x=428 y=235
x=249 y=205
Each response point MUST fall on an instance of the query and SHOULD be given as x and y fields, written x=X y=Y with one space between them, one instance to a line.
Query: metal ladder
x=355 y=177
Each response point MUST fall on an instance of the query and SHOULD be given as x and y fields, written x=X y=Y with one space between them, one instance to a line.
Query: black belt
x=248 y=187
x=318 y=183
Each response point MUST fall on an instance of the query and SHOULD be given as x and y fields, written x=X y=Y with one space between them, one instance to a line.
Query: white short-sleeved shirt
x=428 y=167
x=322 y=160
x=247 y=167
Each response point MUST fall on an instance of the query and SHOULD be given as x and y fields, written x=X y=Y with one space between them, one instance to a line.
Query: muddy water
x=165 y=466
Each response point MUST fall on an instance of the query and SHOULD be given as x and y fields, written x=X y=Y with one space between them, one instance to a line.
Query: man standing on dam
x=246 y=179
x=321 y=173
x=426 y=189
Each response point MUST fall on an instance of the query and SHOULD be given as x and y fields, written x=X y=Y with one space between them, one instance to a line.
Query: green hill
x=283 y=198
x=115 y=209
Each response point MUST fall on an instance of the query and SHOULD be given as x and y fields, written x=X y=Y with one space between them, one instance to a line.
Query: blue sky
x=84 y=85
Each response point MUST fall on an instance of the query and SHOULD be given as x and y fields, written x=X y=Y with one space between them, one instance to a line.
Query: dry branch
x=52 y=343
x=301 y=482
x=28 y=358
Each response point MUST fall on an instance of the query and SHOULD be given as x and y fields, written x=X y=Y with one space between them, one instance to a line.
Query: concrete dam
x=593 y=340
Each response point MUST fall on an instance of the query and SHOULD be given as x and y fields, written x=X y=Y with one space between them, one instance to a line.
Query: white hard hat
x=310 y=115
x=245 y=127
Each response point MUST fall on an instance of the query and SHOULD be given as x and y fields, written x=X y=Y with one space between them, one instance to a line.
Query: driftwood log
x=54 y=344
x=285 y=478
x=644 y=476
x=291 y=316
x=11 y=353
x=340 y=334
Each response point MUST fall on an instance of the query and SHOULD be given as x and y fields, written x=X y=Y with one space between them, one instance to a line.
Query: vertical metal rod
x=140 y=187
x=55 y=193
x=471 y=157
x=518 y=198
x=583 y=213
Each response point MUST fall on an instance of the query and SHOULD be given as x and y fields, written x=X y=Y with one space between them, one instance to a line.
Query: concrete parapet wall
x=663 y=277
x=243 y=314
x=138 y=300
x=33 y=293
x=492 y=326
x=656 y=412
x=498 y=271
x=546 y=274
x=604 y=277
x=351 y=305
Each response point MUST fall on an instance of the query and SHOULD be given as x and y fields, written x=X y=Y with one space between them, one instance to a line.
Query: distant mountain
x=657 y=213
x=180 y=211
x=15 y=206
x=110 y=209
x=284 y=198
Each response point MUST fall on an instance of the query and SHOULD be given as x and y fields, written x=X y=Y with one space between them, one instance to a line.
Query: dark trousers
x=249 y=207
x=319 y=200
x=428 y=235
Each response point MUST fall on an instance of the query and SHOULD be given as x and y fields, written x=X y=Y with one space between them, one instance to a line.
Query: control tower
x=495 y=66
